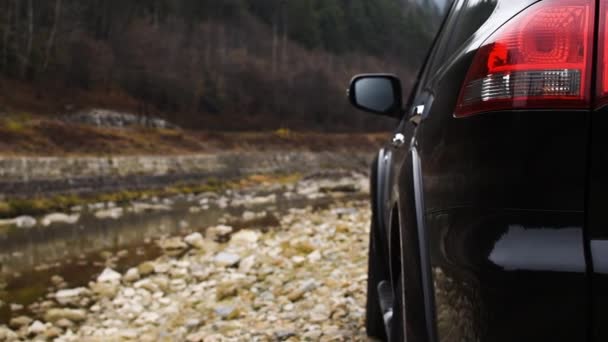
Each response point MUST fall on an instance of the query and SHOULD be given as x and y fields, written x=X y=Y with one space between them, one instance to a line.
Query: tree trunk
x=25 y=63
x=275 y=43
x=51 y=41
x=6 y=35
x=285 y=31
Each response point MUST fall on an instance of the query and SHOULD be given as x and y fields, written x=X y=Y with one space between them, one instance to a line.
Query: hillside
x=206 y=64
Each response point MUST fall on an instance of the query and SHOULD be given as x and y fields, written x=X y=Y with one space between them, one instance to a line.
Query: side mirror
x=377 y=93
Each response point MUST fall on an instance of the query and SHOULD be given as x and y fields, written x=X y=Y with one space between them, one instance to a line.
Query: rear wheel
x=398 y=322
x=377 y=266
x=376 y=272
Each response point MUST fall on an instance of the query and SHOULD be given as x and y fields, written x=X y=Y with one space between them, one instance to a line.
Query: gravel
x=303 y=280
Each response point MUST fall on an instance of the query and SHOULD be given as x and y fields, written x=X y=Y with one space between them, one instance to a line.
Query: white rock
x=74 y=315
x=108 y=276
x=128 y=292
x=59 y=218
x=245 y=236
x=195 y=240
x=248 y=216
x=139 y=207
x=113 y=213
x=247 y=264
x=68 y=296
x=226 y=259
x=131 y=275
x=25 y=222
x=36 y=328
x=218 y=232
x=314 y=256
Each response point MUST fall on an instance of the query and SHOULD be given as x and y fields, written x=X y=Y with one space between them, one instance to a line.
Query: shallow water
x=30 y=257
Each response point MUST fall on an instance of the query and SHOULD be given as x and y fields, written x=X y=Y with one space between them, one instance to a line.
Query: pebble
x=299 y=281
x=195 y=240
x=226 y=259
x=108 y=276
x=145 y=268
x=19 y=322
x=36 y=328
x=59 y=218
x=131 y=275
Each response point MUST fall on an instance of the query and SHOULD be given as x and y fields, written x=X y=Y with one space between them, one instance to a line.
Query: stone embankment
x=303 y=280
x=27 y=176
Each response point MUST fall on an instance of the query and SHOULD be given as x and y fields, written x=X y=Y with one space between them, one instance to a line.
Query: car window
x=430 y=16
x=466 y=18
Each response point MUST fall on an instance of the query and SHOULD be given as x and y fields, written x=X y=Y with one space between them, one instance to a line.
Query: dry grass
x=25 y=135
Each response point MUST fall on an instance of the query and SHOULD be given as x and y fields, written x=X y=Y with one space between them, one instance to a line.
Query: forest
x=208 y=64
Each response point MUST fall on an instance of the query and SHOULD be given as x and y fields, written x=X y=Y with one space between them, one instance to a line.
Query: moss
x=5 y=208
x=283 y=133
x=41 y=205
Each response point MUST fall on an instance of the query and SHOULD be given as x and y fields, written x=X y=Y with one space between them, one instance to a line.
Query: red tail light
x=539 y=59
x=602 y=72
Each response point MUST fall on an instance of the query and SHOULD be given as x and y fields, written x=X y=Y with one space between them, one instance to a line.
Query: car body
x=488 y=224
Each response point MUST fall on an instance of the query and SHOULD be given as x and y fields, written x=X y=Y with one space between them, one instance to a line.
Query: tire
x=377 y=266
x=397 y=323
x=374 y=323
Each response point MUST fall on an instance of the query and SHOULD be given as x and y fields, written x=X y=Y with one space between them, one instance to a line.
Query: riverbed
x=40 y=260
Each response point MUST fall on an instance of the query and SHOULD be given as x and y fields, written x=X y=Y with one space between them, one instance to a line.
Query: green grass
x=16 y=123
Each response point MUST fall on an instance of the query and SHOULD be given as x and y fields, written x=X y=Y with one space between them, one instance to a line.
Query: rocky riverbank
x=302 y=280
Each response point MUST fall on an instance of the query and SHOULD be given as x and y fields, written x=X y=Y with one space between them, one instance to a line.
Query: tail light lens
x=602 y=72
x=539 y=59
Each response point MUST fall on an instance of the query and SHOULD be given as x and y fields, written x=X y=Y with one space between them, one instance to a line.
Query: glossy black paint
x=505 y=198
x=598 y=222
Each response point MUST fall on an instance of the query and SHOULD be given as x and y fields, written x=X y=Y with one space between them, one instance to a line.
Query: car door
x=395 y=153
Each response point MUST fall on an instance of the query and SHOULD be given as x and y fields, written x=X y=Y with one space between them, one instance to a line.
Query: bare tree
x=26 y=57
x=6 y=34
x=51 y=41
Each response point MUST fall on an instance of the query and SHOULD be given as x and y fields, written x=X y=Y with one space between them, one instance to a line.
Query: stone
x=52 y=332
x=139 y=207
x=131 y=275
x=218 y=232
x=25 y=221
x=56 y=280
x=74 y=315
x=196 y=337
x=19 y=322
x=172 y=246
x=283 y=335
x=36 y=328
x=105 y=289
x=7 y=334
x=108 y=276
x=314 y=256
x=246 y=265
x=249 y=216
x=298 y=293
x=16 y=307
x=64 y=323
x=53 y=218
x=195 y=240
x=227 y=312
x=245 y=237
x=70 y=296
x=226 y=290
x=145 y=268
x=113 y=213
x=226 y=259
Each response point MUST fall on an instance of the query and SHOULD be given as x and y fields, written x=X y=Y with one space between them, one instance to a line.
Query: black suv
x=488 y=203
